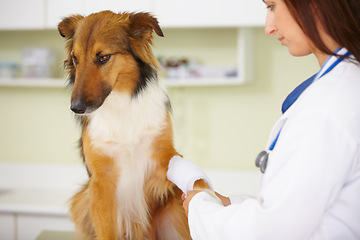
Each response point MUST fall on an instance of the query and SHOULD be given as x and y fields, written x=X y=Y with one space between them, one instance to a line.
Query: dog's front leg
x=103 y=204
x=103 y=208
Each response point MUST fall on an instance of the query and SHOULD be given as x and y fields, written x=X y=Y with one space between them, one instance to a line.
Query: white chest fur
x=124 y=120
x=124 y=128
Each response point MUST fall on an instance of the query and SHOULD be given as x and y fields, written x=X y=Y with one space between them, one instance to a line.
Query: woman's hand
x=225 y=200
x=187 y=199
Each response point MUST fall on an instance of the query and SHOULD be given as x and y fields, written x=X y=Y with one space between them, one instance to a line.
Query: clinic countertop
x=34 y=198
x=34 y=201
x=47 y=188
x=39 y=188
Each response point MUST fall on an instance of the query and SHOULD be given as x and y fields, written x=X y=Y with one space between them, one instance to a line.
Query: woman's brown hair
x=339 y=18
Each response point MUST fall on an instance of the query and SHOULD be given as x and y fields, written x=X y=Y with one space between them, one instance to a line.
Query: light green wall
x=222 y=127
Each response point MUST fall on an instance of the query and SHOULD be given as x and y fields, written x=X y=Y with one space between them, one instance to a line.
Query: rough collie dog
x=126 y=137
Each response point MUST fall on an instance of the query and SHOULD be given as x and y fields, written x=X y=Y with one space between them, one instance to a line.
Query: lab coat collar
x=330 y=62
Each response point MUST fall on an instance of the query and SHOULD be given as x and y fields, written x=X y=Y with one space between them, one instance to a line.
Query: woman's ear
x=68 y=25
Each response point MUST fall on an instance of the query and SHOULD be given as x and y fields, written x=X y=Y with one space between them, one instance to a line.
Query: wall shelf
x=244 y=64
x=201 y=82
x=173 y=83
x=33 y=82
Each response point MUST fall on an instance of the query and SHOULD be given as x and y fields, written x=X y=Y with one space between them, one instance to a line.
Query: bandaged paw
x=184 y=174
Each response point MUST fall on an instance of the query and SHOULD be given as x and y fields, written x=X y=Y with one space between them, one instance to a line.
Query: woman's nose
x=270 y=27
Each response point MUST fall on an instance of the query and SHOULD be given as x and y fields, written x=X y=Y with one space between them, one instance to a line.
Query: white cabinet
x=30 y=226
x=7 y=226
x=57 y=10
x=40 y=14
x=23 y=226
x=34 y=197
x=210 y=13
x=22 y=14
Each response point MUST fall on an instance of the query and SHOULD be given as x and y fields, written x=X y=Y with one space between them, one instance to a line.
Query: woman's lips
x=281 y=40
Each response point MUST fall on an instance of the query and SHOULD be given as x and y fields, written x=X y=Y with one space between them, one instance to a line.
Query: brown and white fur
x=126 y=137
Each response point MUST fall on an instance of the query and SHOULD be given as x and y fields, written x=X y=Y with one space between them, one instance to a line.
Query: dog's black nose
x=78 y=107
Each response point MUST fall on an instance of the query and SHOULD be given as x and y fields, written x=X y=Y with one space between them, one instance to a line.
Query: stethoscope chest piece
x=261 y=160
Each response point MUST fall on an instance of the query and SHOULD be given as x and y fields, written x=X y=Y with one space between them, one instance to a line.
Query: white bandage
x=184 y=174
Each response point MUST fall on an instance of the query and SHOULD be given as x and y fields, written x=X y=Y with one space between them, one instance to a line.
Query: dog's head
x=108 y=52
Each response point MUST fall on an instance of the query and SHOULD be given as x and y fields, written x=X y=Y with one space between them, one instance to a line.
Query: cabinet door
x=210 y=13
x=22 y=14
x=30 y=226
x=7 y=226
x=59 y=9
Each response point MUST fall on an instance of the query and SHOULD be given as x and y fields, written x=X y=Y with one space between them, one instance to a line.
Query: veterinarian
x=310 y=187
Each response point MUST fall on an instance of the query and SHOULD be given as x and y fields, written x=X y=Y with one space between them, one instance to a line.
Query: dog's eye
x=74 y=60
x=104 y=59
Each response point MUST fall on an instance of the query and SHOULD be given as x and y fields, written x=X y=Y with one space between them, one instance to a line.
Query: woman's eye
x=104 y=58
x=270 y=7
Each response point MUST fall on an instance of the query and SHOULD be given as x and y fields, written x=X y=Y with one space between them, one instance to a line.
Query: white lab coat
x=311 y=187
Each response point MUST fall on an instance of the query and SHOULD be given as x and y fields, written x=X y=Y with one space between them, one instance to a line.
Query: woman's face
x=280 y=23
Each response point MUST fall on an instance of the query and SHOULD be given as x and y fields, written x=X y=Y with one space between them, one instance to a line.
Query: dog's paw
x=212 y=194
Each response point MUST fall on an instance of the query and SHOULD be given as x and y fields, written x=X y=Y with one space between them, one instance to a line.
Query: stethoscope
x=263 y=157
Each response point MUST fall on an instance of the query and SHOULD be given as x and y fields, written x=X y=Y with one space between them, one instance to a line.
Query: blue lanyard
x=294 y=95
x=334 y=64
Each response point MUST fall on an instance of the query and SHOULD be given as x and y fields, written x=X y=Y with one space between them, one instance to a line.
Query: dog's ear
x=142 y=25
x=68 y=25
